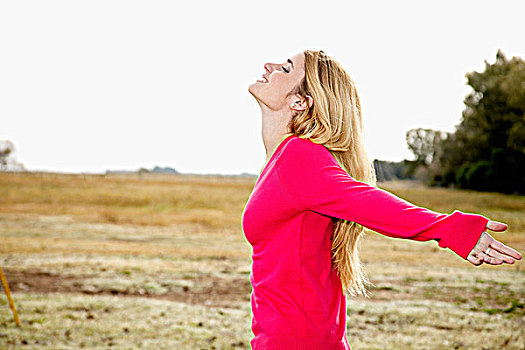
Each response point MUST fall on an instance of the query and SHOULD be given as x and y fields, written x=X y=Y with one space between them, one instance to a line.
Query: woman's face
x=277 y=81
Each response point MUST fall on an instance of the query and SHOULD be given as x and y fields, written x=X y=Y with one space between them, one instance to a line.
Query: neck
x=274 y=128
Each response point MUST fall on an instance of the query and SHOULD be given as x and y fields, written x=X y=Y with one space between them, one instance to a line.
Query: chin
x=252 y=89
x=258 y=92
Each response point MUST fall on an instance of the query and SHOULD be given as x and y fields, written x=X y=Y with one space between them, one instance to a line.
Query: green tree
x=487 y=150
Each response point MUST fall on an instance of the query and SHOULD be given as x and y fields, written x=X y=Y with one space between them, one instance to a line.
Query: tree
x=487 y=150
x=7 y=160
x=424 y=144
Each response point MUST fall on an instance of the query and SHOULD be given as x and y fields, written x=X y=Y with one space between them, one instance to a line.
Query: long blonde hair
x=335 y=121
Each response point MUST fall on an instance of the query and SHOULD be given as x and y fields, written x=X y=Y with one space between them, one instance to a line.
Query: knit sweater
x=297 y=298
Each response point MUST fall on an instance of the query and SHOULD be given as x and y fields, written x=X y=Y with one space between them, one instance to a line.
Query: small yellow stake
x=8 y=294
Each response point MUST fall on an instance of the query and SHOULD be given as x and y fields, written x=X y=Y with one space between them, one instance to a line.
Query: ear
x=299 y=103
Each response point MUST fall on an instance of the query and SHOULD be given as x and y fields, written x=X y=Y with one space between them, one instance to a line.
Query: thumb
x=496 y=226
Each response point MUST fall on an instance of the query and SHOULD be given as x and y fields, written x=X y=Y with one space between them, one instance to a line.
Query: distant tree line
x=387 y=171
x=143 y=170
x=486 y=152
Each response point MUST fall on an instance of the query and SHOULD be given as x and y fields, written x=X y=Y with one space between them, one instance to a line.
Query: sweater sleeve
x=312 y=179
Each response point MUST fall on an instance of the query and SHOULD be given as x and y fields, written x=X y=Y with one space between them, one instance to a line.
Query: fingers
x=508 y=252
x=492 y=257
x=505 y=250
x=480 y=258
x=491 y=251
x=491 y=261
x=496 y=226
x=489 y=256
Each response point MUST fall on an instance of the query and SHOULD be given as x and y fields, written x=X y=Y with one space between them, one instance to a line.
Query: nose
x=270 y=67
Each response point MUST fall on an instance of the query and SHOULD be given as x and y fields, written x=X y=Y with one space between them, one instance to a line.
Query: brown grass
x=156 y=261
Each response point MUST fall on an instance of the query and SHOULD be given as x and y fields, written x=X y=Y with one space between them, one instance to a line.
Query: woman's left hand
x=490 y=251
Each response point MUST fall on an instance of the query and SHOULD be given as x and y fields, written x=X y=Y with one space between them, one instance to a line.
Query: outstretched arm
x=312 y=180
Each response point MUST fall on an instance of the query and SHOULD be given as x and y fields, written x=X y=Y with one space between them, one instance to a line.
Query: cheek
x=282 y=84
x=281 y=79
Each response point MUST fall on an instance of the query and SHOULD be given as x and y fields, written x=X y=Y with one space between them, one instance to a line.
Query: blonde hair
x=335 y=121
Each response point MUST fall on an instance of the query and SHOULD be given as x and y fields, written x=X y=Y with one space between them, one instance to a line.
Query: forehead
x=298 y=59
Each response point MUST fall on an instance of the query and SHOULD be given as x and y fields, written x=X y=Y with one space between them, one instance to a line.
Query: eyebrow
x=289 y=60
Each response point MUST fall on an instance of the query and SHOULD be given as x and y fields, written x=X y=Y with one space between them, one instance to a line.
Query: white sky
x=87 y=86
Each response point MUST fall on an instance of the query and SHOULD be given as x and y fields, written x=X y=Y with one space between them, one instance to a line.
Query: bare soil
x=209 y=291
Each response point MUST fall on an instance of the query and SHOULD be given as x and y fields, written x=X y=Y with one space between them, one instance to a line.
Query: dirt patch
x=209 y=291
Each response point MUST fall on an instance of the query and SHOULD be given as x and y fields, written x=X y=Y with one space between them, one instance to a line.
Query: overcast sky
x=87 y=86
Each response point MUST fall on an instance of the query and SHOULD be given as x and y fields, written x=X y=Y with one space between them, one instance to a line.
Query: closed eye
x=286 y=70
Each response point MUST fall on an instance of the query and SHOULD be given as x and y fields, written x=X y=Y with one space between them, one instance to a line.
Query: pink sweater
x=297 y=298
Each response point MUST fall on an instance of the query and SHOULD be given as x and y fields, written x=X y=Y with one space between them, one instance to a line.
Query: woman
x=312 y=200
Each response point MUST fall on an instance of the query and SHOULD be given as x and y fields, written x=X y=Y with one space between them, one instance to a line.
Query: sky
x=87 y=86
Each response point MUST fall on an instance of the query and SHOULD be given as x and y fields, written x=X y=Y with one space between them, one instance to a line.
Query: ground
x=160 y=262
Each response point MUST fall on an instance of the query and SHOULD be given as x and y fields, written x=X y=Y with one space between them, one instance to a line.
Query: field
x=160 y=262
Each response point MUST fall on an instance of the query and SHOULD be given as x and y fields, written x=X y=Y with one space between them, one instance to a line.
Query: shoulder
x=305 y=151
x=298 y=143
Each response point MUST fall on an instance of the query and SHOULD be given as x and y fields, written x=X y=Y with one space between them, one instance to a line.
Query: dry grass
x=160 y=262
x=134 y=199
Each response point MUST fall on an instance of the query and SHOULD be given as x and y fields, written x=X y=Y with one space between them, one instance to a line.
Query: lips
x=263 y=80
